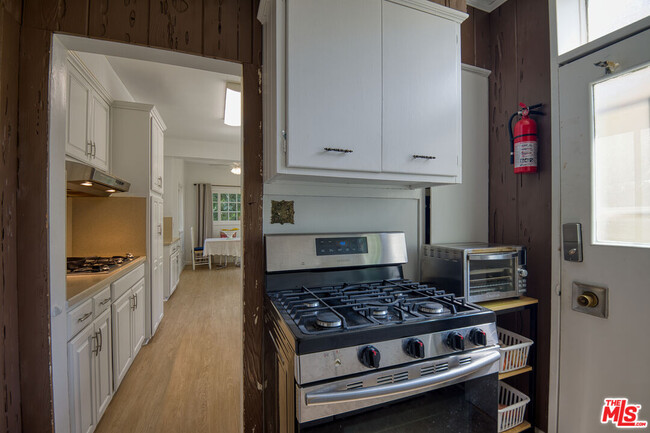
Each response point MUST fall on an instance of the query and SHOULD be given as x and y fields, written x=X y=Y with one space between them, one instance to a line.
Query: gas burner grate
x=369 y=304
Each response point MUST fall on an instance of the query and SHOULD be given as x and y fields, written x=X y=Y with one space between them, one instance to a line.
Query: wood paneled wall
x=10 y=15
x=513 y=42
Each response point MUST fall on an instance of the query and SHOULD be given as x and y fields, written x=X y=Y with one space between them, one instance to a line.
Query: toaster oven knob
x=456 y=341
x=415 y=348
x=370 y=357
x=523 y=273
x=478 y=337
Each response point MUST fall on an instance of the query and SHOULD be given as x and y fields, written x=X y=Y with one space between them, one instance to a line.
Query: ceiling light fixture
x=86 y=184
x=232 y=114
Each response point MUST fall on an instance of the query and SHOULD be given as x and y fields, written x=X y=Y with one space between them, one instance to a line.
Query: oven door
x=491 y=276
x=465 y=385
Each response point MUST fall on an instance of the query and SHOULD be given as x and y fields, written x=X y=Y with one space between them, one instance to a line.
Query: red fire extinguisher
x=523 y=151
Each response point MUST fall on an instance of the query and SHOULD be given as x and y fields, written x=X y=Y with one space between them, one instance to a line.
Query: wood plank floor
x=189 y=377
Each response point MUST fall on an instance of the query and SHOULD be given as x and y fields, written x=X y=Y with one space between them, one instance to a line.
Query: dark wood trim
x=9 y=362
x=32 y=246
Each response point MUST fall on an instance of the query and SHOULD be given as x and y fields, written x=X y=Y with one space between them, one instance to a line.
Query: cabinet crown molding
x=485 y=5
x=434 y=8
x=81 y=67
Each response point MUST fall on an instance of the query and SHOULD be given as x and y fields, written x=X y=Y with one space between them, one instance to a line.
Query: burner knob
x=370 y=357
x=456 y=341
x=415 y=348
x=478 y=337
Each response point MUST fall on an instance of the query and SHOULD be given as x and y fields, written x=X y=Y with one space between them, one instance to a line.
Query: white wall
x=201 y=173
x=102 y=70
x=183 y=148
x=321 y=208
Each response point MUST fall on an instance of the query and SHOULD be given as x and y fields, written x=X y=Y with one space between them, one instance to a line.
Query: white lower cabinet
x=128 y=314
x=90 y=374
x=172 y=267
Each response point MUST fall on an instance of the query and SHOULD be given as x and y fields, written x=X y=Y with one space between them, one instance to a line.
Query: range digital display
x=341 y=246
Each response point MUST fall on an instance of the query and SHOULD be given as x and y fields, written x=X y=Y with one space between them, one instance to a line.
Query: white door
x=138 y=317
x=78 y=116
x=80 y=375
x=421 y=114
x=103 y=364
x=334 y=118
x=605 y=186
x=100 y=132
x=122 y=334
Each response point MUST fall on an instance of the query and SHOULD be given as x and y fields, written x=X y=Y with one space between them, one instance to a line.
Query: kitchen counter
x=83 y=286
x=166 y=243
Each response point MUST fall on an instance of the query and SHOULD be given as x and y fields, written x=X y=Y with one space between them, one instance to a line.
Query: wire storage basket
x=512 y=407
x=514 y=350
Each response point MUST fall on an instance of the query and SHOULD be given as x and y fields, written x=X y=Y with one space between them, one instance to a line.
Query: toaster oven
x=477 y=271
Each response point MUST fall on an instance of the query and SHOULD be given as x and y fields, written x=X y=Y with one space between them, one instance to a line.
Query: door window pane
x=621 y=159
x=606 y=16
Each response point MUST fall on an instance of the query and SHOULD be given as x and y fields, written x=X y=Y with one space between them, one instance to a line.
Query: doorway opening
x=162 y=130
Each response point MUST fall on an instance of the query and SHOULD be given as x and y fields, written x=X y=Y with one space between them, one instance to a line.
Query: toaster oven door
x=491 y=276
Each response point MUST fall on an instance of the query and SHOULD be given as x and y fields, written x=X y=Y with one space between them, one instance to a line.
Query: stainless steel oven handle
x=316 y=398
x=492 y=256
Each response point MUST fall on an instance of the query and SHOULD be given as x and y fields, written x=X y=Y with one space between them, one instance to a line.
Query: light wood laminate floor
x=189 y=377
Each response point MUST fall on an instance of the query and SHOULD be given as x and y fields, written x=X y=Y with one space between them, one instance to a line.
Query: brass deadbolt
x=588 y=299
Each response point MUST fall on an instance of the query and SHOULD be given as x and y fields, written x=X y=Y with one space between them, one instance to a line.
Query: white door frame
x=556 y=241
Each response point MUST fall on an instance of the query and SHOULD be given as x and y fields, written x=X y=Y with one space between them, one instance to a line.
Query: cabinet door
x=77 y=122
x=339 y=109
x=173 y=278
x=100 y=132
x=157 y=258
x=103 y=364
x=138 y=317
x=421 y=109
x=122 y=335
x=157 y=157
x=80 y=376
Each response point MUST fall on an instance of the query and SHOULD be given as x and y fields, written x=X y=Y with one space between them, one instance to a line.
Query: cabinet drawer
x=126 y=282
x=79 y=318
x=102 y=301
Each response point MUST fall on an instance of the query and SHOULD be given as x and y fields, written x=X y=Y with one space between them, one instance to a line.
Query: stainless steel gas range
x=353 y=346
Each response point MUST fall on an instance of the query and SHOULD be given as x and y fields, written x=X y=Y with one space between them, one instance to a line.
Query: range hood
x=84 y=180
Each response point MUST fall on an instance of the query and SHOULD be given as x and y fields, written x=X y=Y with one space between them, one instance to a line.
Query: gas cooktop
x=96 y=265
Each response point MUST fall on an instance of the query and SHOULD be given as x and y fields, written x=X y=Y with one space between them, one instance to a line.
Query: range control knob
x=415 y=348
x=370 y=357
x=478 y=337
x=456 y=341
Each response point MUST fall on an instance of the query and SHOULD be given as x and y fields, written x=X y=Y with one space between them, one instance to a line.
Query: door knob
x=588 y=299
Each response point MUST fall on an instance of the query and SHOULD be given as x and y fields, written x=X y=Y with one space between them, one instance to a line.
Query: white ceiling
x=190 y=101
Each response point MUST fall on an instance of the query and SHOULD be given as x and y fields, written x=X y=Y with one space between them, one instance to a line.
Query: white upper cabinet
x=421 y=89
x=88 y=117
x=334 y=84
x=362 y=91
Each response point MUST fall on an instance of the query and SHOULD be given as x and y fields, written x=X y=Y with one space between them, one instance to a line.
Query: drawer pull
x=336 y=149
x=105 y=301
x=84 y=317
x=423 y=157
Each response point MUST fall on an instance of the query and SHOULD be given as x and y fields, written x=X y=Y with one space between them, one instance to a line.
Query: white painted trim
x=434 y=8
x=609 y=39
x=485 y=5
x=263 y=11
x=556 y=260
x=139 y=106
x=168 y=57
x=475 y=70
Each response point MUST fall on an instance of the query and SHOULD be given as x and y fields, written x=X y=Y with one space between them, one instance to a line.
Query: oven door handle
x=492 y=256
x=316 y=398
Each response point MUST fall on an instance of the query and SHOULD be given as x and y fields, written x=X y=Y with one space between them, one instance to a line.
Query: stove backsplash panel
x=106 y=226
x=346 y=209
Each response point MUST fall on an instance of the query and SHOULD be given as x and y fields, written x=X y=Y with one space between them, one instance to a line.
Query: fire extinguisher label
x=526 y=154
